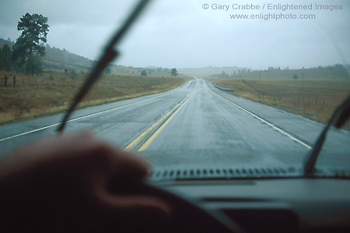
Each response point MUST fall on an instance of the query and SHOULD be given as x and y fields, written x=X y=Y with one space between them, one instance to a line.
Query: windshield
x=225 y=84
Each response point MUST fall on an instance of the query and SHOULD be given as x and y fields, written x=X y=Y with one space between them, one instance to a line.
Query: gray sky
x=180 y=33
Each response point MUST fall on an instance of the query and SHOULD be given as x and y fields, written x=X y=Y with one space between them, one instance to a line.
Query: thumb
x=134 y=213
x=134 y=203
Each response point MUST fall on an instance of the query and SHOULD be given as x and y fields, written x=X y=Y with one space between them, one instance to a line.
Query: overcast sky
x=180 y=33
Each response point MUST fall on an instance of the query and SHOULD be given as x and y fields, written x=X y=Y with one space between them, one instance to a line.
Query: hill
x=212 y=71
x=316 y=73
x=58 y=59
x=61 y=59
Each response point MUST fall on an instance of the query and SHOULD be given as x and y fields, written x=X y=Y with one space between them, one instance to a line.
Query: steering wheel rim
x=192 y=216
x=186 y=215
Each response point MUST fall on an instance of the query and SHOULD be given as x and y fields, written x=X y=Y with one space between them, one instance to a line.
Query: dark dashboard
x=258 y=199
x=274 y=205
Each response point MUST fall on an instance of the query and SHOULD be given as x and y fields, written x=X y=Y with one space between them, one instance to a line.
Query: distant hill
x=212 y=71
x=339 y=72
x=61 y=59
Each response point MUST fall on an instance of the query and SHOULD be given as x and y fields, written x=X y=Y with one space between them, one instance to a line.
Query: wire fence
x=8 y=80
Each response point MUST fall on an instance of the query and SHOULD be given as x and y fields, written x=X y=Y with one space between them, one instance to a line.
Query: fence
x=9 y=79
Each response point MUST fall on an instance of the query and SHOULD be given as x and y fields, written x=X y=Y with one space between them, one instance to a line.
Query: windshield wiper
x=339 y=117
x=109 y=54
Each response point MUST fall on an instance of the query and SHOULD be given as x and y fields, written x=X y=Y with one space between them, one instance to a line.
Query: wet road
x=194 y=124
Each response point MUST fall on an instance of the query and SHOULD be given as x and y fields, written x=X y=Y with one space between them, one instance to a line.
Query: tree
x=33 y=65
x=29 y=44
x=143 y=73
x=223 y=75
x=5 y=58
x=174 y=72
x=295 y=76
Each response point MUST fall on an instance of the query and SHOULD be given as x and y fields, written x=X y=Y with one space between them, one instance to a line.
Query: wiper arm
x=108 y=55
x=340 y=115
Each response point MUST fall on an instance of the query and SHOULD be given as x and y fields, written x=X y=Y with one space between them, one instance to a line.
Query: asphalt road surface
x=194 y=124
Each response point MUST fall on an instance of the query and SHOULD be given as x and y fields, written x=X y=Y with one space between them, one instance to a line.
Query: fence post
x=14 y=80
x=5 y=81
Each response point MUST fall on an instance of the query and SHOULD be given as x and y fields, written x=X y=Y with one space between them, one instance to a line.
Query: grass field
x=315 y=94
x=53 y=91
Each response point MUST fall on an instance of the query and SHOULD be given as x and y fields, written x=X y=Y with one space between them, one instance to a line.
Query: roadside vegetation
x=29 y=89
x=313 y=93
x=52 y=91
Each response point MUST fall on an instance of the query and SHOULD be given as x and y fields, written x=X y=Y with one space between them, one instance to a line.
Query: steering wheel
x=187 y=215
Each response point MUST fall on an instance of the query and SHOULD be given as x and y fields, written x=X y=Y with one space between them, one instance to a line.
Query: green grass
x=53 y=91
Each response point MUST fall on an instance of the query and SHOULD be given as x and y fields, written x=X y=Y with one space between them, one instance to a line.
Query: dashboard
x=274 y=205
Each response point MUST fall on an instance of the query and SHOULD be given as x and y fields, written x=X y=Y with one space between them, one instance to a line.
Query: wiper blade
x=340 y=115
x=108 y=55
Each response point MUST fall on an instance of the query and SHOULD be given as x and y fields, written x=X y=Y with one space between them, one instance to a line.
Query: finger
x=137 y=207
x=130 y=165
x=136 y=204
x=135 y=213
x=117 y=159
x=93 y=152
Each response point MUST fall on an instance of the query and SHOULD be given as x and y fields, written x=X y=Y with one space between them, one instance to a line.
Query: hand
x=62 y=184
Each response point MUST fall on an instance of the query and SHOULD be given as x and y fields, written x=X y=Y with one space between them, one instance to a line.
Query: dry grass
x=315 y=99
x=53 y=91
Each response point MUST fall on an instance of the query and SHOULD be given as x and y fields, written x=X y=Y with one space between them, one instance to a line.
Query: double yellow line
x=152 y=132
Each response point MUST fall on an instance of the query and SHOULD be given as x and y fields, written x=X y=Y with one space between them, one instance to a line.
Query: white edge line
x=266 y=122
x=76 y=119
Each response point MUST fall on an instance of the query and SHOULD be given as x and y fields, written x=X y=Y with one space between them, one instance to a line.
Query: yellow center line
x=155 y=125
x=151 y=139
x=164 y=119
